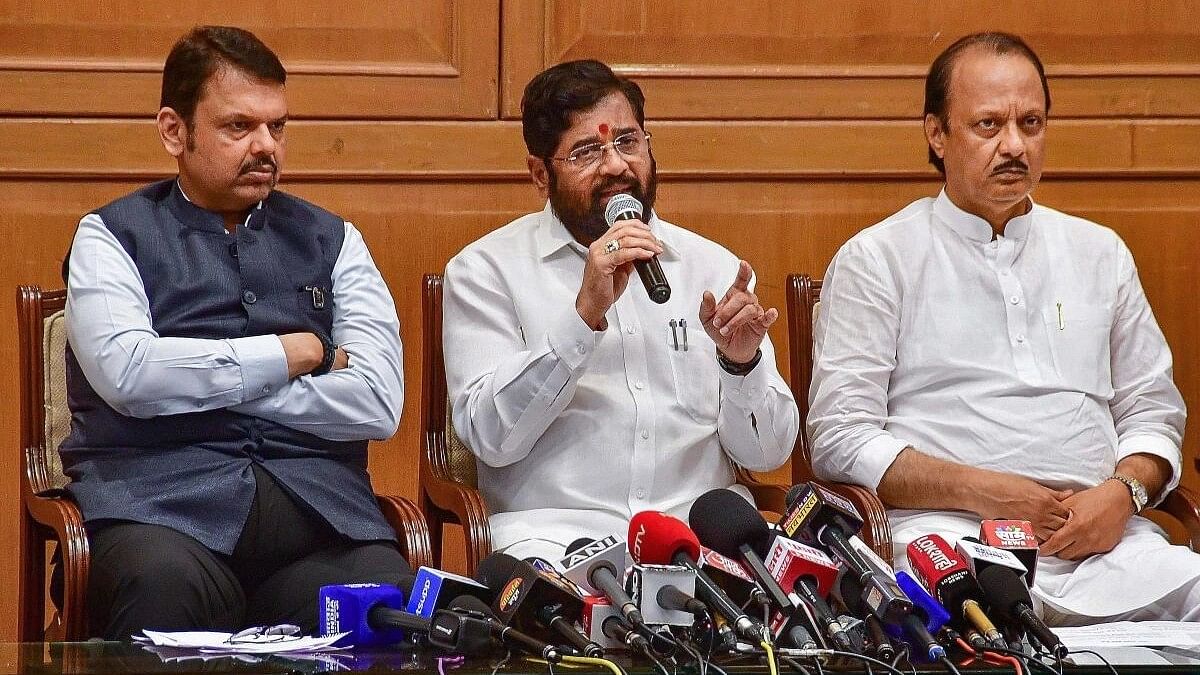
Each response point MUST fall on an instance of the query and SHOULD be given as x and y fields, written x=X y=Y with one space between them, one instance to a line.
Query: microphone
x=596 y=566
x=595 y=610
x=810 y=574
x=533 y=602
x=470 y=614
x=660 y=538
x=1009 y=596
x=728 y=524
x=1016 y=537
x=980 y=557
x=946 y=574
x=733 y=577
x=816 y=515
x=625 y=207
x=372 y=614
x=616 y=630
x=882 y=597
x=434 y=589
x=664 y=594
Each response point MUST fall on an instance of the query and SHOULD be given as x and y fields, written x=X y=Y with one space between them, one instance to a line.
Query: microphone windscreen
x=655 y=537
x=471 y=603
x=496 y=570
x=619 y=204
x=793 y=494
x=578 y=544
x=723 y=521
x=1004 y=589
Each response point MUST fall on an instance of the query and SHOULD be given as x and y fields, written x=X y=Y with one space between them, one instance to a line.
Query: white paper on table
x=1130 y=634
x=218 y=643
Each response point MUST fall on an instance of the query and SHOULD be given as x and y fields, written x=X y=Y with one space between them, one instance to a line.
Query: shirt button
x=645 y=433
x=639 y=385
x=267 y=389
x=1015 y=300
x=631 y=330
x=1020 y=337
x=1003 y=273
x=641 y=494
x=249 y=297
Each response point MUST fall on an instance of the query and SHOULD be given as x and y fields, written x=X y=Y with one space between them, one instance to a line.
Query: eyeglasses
x=633 y=144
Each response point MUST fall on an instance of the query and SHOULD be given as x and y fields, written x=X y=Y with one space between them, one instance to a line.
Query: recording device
x=373 y=614
x=535 y=603
x=625 y=207
x=948 y=576
x=598 y=566
x=660 y=538
x=810 y=574
x=817 y=516
x=434 y=589
x=727 y=523
x=665 y=594
x=1016 y=537
x=1010 y=597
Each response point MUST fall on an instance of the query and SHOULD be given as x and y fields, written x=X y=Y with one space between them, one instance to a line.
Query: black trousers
x=149 y=576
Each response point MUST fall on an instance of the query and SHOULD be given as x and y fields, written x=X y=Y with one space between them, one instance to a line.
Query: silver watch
x=1137 y=491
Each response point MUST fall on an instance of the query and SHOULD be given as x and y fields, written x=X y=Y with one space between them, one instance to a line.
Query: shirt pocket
x=697 y=383
x=1078 y=337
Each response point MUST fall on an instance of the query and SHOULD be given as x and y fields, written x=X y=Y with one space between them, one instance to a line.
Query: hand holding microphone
x=627 y=244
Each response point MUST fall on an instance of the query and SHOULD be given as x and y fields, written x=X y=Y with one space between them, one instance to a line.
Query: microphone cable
x=594 y=661
x=774 y=668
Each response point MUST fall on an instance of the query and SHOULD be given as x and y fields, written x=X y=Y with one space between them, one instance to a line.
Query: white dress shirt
x=576 y=430
x=1035 y=353
x=141 y=374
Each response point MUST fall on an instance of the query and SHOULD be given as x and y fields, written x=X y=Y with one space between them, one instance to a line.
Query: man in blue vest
x=232 y=349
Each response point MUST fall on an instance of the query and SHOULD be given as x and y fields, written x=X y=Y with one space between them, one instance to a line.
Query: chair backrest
x=45 y=417
x=803 y=303
x=447 y=456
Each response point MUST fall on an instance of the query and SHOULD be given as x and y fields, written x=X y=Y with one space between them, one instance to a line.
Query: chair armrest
x=468 y=508
x=411 y=530
x=767 y=496
x=1184 y=505
x=62 y=516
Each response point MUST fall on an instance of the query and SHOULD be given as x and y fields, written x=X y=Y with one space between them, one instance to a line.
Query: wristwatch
x=328 y=357
x=1137 y=491
x=739 y=369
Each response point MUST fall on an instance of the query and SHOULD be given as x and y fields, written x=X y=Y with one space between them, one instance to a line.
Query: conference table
x=119 y=657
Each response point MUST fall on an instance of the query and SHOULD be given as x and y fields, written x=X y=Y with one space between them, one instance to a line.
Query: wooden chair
x=48 y=515
x=449 y=492
x=1180 y=511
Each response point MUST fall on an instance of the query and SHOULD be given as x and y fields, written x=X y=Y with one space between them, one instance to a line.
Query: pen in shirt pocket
x=1061 y=323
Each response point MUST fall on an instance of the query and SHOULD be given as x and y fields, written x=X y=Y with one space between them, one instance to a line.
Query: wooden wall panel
x=853 y=59
x=436 y=58
x=780 y=129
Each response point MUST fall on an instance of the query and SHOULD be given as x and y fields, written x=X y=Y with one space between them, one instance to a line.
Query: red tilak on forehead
x=603 y=129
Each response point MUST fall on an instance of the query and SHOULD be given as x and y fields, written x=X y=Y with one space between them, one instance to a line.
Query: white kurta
x=577 y=430
x=1035 y=353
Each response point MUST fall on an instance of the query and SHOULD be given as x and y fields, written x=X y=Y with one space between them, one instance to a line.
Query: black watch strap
x=328 y=358
x=739 y=369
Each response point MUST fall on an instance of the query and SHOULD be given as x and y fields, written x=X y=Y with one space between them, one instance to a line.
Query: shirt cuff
x=749 y=391
x=1149 y=444
x=572 y=340
x=263 y=363
x=874 y=458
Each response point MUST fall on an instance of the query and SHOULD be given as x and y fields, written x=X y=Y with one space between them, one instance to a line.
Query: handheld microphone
x=615 y=629
x=727 y=523
x=660 y=538
x=597 y=566
x=816 y=515
x=883 y=598
x=434 y=589
x=981 y=556
x=664 y=594
x=532 y=602
x=470 y=614
x=1009 y=596
x=733 y=577
x=946 y=574
x=372 y=614
x=810 y=574
x=1016 y=537
x=625 y=207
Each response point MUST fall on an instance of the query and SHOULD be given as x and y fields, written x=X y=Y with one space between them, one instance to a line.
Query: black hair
x=937 y=83
x=558 y=92
x=197 y=55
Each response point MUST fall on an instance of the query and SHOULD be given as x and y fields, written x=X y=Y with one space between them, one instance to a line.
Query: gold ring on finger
x=612 y=246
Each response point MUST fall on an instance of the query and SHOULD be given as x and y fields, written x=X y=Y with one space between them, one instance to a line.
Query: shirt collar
x=201 y=218
x=552 y=236
x=975 y=228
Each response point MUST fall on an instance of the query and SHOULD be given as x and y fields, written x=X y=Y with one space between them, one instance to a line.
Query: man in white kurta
x=976 y=361
x=584 y=401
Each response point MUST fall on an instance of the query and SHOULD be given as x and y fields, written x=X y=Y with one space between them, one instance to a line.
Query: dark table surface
x=119 y=657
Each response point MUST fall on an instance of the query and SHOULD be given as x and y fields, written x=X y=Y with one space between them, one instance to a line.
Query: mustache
x=254 y=165
x=626 y=186
x=1011 y=165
